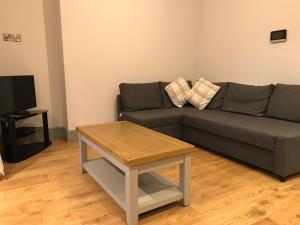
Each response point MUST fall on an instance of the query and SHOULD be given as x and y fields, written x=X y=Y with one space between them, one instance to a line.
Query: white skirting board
x=1 y=167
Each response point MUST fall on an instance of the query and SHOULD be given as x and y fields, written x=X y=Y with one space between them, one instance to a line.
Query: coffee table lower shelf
x=153 y=190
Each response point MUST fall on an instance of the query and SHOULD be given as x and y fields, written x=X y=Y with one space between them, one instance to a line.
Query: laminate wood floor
x=49 y=189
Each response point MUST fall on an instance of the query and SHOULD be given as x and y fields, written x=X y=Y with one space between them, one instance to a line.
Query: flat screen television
x=17 y=94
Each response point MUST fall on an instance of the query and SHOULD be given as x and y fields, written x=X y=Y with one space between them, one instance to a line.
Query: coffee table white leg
x=131 y=179
x=83 y=153
x=185 y=179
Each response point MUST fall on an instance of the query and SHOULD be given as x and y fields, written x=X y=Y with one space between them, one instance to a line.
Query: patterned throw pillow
x=202 y=93
x=177 y=91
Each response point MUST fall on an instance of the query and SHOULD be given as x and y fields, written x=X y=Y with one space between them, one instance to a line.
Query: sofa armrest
x=119 y=107
x=287 y=156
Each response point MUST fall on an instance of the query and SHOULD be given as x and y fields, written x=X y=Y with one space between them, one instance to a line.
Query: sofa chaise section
x=268 y=143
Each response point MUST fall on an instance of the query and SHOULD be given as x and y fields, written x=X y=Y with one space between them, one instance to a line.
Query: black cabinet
x=14 y=152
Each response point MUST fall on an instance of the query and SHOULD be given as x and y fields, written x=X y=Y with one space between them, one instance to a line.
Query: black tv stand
x=13 y=152
x=25 y=131
x=24 y=112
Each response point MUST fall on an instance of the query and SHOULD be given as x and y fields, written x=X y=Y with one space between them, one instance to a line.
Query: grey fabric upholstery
x=267 y=143
x=217 y=101
x=155 y=117
x=171 y=130
x=247 y=153
x=285 y=103
x=247 y=99
x=258 y=131
x=140 y=96
x=287 y=155
x=119 y=106
x=284 y=161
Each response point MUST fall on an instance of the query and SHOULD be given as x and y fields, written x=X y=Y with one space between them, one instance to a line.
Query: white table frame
x=131 y=205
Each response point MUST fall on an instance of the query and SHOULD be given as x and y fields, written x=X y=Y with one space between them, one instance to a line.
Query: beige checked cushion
x=177 y=91
x=202 y=93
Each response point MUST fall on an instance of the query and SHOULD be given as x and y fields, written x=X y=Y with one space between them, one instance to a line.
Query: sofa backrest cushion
x=217 y=101
x=140 y=96
x=285 y=103
x=247 y=99
x=165 y=97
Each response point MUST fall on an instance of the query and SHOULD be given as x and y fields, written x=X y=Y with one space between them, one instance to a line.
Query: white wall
x=107 y=42
x=234 y=41
x=36 y=54
x=55 y=61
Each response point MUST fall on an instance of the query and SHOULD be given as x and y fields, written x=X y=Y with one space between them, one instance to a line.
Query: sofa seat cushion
x=257 y=131
x=155 y=117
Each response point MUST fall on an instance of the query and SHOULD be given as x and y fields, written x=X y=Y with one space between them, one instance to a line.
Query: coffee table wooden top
x=133 y=144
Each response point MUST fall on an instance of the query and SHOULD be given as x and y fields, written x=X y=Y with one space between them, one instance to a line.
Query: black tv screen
x=278 y=36
x=17 y=93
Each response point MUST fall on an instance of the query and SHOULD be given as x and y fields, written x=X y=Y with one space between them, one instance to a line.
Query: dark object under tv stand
x=13 y=152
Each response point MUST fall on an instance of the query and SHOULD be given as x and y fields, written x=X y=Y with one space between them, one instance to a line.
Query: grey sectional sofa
x=258 y=125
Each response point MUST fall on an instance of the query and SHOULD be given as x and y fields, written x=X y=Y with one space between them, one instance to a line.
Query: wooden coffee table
x=130 y=153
